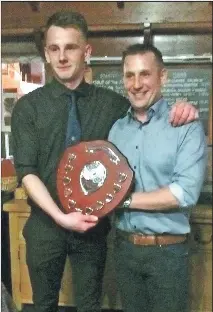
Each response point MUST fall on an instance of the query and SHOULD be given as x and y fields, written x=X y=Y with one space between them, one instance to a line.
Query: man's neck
x=72 y=84
x=141 y=116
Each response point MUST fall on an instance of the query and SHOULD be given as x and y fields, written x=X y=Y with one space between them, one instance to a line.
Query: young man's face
x=66 y=50
x=143 y=79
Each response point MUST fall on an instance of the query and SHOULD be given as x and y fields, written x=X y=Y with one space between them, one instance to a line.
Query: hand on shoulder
x=182 y=113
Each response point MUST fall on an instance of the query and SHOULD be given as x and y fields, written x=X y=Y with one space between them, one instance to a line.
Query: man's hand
x=182 y=113
x=76 y=221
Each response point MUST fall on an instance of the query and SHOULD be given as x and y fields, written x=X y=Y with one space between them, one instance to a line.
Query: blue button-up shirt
x=161 y=155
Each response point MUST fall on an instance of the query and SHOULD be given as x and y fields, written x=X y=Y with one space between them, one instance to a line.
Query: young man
x=169 y=163
x=39 y=128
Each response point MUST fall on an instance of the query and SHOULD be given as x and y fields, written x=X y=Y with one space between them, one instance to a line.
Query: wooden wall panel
x=19 y=15
x=112 y=46
x=182 y=44
x=169 y=45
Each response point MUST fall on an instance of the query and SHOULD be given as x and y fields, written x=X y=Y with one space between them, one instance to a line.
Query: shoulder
x=119 y=124
x=192 y=132
x=29 y=101
x=36 y=94
x=194 y=126
x=108 y=94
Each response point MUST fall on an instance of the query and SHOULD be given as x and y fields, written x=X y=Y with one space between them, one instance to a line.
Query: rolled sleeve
x=190 y=168
x=25 y=146
x=178 y=193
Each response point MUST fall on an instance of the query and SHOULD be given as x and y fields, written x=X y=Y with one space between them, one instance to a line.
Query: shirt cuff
x=178 y=192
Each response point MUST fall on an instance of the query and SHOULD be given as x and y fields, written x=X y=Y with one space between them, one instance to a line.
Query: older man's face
x=143 y=79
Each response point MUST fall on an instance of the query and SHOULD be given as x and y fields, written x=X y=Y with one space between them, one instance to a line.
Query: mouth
x=63 y=68
x=140 y=95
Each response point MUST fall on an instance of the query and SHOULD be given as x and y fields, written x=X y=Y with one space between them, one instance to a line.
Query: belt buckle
x=157 y=241
x=134 y=239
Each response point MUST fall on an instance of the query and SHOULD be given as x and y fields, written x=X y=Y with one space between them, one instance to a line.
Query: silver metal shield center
x=92 y=177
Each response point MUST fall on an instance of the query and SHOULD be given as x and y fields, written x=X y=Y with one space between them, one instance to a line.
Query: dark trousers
x=152 y=278
x=47 y=247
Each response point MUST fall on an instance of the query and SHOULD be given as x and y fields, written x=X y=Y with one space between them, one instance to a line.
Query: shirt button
x=73 y=138
x=136 y=147
x=134 y=167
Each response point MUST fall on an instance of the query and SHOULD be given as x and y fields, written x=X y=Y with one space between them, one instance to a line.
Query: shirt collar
x=59 y=89
x=156 y=109
x=160 y=106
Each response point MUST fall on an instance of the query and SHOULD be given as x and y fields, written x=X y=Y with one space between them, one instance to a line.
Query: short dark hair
x=65 y=19
x=140 y=48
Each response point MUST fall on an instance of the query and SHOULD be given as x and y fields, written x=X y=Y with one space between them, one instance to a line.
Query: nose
x=137 y=84
x=62 y=56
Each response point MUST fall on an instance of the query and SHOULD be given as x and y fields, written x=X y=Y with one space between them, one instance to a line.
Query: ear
x=88 y=51
x=164 y=76
x=46 y=55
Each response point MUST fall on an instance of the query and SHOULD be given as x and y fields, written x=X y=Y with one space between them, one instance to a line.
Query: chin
x=138 y=104
x=65 y=77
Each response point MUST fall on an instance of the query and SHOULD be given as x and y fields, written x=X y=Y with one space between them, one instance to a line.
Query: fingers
x=86 y=226
x=76 y=221
x=183 y=113
x=193 y=115
x=79 y=216
x=177 y=114
x=189 y=118
x=87 y=222
x=90 y=218
x=172 y=114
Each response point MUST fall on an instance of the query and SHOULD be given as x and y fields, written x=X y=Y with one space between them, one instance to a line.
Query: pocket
x=179 y=250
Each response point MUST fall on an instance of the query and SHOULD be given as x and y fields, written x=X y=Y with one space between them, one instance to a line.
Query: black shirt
x=39 y=123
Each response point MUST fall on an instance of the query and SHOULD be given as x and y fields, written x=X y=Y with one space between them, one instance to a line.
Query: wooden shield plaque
x=93 y=178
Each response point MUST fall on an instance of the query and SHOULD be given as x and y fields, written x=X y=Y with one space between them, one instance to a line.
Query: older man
x=169 y=163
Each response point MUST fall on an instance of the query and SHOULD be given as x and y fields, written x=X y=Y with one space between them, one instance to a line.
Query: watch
x=127 y=202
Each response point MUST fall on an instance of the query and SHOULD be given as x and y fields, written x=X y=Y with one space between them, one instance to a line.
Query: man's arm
x=187 y=178
x=161 y=199
x=182 y=113
x=75 y=221
x=25 y=151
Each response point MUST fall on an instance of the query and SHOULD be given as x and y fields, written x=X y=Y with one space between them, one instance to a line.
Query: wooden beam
x=192 y=28
x=164 y=28
x=35 y=5
x=120 y=5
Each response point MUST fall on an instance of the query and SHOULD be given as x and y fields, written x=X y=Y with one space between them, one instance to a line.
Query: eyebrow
x=55 y=45
x=144 y=71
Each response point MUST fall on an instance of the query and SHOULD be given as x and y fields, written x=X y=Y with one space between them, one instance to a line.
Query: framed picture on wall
x=8 y=102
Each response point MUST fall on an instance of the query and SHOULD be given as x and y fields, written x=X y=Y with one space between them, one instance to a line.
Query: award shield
x=93 y=178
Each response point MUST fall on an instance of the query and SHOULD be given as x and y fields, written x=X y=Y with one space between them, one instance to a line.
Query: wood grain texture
x=19 y=15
